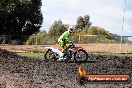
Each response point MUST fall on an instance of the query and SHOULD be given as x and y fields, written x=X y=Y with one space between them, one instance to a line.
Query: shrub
x=42 y=38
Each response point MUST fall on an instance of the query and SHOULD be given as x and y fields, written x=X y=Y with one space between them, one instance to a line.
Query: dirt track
x=88 y=47
x=23 y=72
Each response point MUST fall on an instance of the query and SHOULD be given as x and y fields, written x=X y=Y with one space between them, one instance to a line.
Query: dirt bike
x=75 y=53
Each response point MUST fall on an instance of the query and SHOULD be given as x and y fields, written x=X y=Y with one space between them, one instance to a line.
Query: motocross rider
x=63 y=39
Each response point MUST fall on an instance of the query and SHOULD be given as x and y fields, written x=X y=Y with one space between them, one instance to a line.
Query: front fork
x=68 y=54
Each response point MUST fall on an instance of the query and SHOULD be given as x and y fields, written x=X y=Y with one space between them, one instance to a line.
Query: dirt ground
x=88 y=47
x=25 y=72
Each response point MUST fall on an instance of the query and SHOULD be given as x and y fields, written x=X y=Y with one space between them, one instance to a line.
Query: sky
x=107 y=14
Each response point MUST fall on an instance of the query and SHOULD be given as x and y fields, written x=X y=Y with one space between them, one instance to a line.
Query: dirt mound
x=24 y=72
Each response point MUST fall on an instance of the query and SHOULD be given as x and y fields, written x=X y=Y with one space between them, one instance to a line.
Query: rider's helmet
x=71 y=29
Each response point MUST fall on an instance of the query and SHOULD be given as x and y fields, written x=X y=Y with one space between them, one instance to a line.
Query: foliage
x=82 y=23
x=31 y=40
x=95 y=34
x=88 y=34
x=56 y=29
x=20 y=17
x=51 y=37
x=41 y=38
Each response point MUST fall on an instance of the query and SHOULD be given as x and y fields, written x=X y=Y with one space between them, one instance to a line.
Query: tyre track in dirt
x=25 y=72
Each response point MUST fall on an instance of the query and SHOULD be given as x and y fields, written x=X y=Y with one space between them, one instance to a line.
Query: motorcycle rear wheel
x=49 y=55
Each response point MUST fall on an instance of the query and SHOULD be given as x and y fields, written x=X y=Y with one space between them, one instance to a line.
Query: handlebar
x=72 y=44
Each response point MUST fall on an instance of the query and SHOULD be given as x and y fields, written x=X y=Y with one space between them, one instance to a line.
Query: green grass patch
x=31 y=54
x=125 y=54
x=129 y=54
x=41 y=54
x=114 y=54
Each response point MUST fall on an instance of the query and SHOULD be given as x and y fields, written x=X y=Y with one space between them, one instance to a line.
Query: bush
x=43 y=38
x=31 y=40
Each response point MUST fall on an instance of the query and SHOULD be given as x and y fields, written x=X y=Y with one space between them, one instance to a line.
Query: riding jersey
x=63 y=39
x=65 y=36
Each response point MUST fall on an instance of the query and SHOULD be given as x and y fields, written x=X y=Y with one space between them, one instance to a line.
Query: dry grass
x=88 y=47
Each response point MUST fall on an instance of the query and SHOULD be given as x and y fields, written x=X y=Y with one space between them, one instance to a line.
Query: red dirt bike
x=75 y=53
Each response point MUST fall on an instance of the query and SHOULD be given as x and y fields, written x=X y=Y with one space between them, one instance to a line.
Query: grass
x=114 y=54
x=41 y=55
x=31 y=54
x=126 y=54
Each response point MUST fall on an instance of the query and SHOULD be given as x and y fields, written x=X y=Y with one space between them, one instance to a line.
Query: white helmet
x=71 y=29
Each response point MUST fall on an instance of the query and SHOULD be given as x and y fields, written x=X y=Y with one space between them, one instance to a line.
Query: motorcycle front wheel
x=80 y=56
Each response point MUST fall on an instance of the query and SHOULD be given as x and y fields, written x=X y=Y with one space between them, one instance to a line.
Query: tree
x=20 y=17
x=57 y=29
x=80 y=23
x=83 y=22
x=86 y=20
